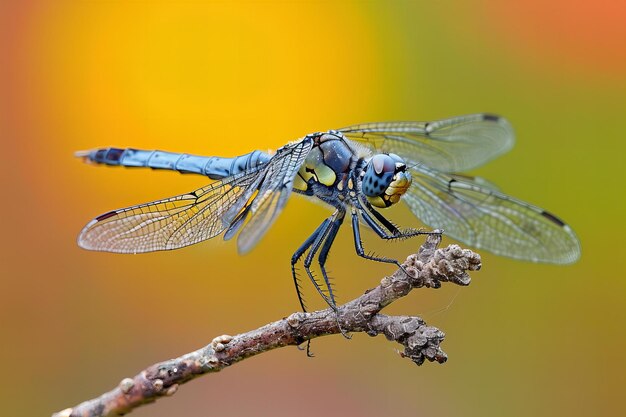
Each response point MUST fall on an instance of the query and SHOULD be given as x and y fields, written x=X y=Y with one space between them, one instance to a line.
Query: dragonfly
x=358 y=171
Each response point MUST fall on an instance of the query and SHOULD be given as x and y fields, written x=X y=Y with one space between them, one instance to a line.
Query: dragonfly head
x=385 y=180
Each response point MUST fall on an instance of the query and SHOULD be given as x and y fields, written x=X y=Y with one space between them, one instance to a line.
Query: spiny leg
x=330 y=239
x=314 y=242
x=381 y=233
x=323 y=256
x=330 y=230
x=298 y=254
x=294 y=259
x=393 y=229
x=358 y=243
x=325 y=242
x=315 y=239
x=382 y=219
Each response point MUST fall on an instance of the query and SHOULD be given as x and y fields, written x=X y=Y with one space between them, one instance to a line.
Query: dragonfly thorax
x=385 y=180
x=327 y=163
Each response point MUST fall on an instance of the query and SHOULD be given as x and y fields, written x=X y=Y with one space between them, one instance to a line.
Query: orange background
x=224 y=78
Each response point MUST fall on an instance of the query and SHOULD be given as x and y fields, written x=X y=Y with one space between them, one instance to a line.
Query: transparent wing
x=166 y=224
x=485 y=218
x=449 y=145
x=270 y=196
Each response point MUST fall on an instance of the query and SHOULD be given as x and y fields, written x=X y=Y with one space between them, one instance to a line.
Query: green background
x=224 y=78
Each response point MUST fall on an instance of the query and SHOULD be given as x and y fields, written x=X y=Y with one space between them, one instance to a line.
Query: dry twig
x=428 y=268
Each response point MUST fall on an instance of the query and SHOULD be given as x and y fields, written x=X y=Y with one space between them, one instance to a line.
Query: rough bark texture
x=428 y=268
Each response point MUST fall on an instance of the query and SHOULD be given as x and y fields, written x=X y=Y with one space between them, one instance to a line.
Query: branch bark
x=428 y=268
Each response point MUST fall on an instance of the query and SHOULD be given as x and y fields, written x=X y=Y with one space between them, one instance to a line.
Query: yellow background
x=224 y=78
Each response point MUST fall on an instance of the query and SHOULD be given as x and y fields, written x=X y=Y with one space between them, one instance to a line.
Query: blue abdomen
x=213 y=167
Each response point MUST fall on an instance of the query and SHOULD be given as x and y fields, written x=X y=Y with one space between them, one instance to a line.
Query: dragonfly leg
x=321 y=237
x=323 y=256
x=294 y=259
x=298 y=254
x=393 y=229
x=358 y=243
x=335 y=225
x=380 y=232
x=322 y=243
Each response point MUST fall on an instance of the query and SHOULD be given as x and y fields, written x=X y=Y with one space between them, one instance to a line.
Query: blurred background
x=224 y=78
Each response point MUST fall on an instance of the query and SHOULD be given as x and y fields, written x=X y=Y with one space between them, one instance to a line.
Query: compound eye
x=378 y=175
x=382 y=164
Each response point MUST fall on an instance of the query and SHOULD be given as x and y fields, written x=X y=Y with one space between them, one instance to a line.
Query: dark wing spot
x=106 y=216
x=450 y=184
x=491 y=117
x=553 y=218
x=376 y=184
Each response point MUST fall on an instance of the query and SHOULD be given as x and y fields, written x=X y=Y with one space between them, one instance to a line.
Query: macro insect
x=357 y=170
